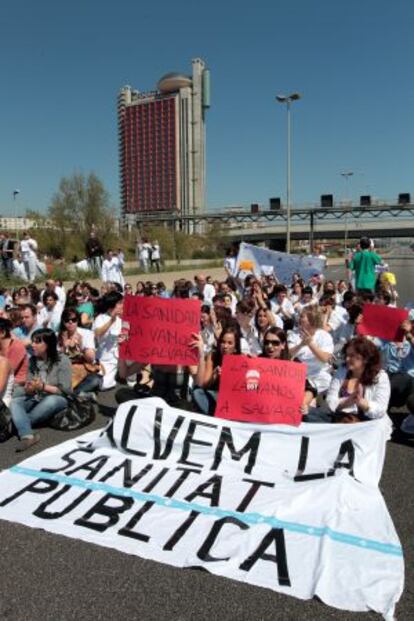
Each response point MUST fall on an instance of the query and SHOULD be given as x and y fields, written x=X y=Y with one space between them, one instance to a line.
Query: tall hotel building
x=162 y=145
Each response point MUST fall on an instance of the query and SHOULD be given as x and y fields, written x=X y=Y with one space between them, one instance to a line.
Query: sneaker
x=27 y=442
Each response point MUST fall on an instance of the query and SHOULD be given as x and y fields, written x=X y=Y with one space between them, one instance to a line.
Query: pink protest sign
x=160 y=330
x=382 y=321
x=260 y=390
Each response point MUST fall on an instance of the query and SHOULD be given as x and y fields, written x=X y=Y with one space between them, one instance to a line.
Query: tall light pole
x=15 y=193
x=346 y=176
x=287 y=99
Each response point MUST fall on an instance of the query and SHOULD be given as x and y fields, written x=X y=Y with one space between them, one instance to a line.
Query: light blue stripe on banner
x=217 y=512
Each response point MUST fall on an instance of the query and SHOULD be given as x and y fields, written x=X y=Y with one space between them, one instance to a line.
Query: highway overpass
x=306 y=224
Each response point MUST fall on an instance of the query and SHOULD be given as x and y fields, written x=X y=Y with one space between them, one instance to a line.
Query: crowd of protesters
x=54 y=341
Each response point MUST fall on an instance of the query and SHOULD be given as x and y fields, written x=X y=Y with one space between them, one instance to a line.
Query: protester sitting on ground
x=85 y=308
x=28 y=325
x=313 y=346
x=6 y=382
x=15 y=352
x=383 y=298
x=34 y=294
x=348 y=330
x=307 y=299
x=296 y=292
x=275 y=344
x=360 y=389
x=250 y=344
x=201 y=286
x=341 y=288
x=162 y=290
x=53 y=286
x=49 y=316
x=207 y=377
x=398 y=362
x=332 y=320
x=263 y=319
x=281 y=305
x=79 y=346
x=140 y=288
x=107 y=330
x=208 y=324
x=49 y=374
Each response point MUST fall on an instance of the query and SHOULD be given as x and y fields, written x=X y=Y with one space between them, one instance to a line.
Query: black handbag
x=80 y=412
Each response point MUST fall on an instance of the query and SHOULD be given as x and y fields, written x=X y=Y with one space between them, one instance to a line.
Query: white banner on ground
x=283 y=265
x=294 y=509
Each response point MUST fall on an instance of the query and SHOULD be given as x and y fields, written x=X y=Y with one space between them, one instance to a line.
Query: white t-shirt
x=51 y=317
x=318 y=372
x=250 y=343
x=285 y=308
x=88 y=338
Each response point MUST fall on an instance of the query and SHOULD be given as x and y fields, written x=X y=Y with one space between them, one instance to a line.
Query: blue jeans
x=205 y=400
x=27 y=411
x=91 y=383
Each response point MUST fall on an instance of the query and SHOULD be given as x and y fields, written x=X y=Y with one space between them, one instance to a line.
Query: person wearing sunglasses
x=79 y=345
x=48 y=378
x=275 y=344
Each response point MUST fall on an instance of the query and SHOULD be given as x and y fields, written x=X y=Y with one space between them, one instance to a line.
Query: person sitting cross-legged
x=49 y=374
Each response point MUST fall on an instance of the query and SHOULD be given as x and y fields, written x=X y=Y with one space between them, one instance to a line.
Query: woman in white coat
x=112 y=268
x=360 y=390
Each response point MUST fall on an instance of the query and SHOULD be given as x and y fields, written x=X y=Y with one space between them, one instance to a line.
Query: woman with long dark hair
x=208 y=374
x=360 y=389
x=107 y=330
x=49 y=374
x=275 y=345
x=79 y=345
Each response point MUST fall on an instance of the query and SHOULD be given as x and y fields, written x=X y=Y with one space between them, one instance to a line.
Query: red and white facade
x=161 y=145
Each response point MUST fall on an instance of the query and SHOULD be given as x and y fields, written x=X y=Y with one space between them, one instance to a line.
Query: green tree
x=80 y=204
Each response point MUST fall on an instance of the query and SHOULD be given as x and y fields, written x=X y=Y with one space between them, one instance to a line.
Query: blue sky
x=62 y=65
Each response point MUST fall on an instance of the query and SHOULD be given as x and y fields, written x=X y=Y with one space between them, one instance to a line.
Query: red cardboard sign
x=382 y=321
x=160 y=330
x=260 y=390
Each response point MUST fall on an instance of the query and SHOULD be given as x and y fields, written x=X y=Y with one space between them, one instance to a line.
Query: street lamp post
x=287 y=99
x=346 y=176
x=15 y=194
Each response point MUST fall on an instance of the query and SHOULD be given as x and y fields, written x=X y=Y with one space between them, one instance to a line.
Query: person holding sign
x=398 y=362
x=360 y=389
x=207 y=377
x=313 y=346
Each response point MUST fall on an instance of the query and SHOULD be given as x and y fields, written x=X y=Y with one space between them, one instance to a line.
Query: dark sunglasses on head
x=274 y=342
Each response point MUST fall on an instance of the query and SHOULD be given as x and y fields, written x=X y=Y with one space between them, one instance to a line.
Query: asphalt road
x=49 y=577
